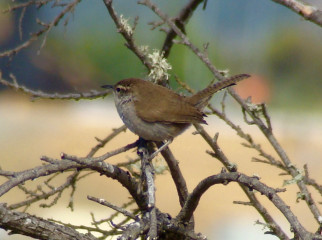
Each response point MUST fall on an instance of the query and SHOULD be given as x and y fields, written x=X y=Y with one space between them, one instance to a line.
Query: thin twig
x=22 y=14
x=104 y=141
x=93 y=94
x=88 y=229
x=86 y=160
x=110 y=205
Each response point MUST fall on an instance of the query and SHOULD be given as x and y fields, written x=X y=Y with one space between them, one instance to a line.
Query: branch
x=252 y=183
x=111 y=217
x=103 y=142
x=247 y=137
x=26 y=4
x=93 y=94
x=176 y=174
x=116 y=208
x=184 y=38
x=88 y=229
x=36 y=227
x=181 y=19
x=103 y=168
x=71 y=180
x=133 y=230
x=47 y=27
x=45 y=195
x=89 y=160
x=308 y=12
x=289 y=167
x=218 y=153
x=232 y=167
x=310 y=181
x=147 y=174
x=127 y=34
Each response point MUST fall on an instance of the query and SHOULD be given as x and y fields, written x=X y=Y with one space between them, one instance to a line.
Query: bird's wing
x=172 y=109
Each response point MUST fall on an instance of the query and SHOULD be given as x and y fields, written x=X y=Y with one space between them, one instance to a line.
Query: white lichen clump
x=160 y=66
x=144 y=49
x=125 y=25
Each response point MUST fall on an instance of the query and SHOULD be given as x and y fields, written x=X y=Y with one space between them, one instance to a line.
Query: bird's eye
x=118 y=89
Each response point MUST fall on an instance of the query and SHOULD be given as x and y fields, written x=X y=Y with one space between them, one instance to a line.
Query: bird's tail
x=201 y=98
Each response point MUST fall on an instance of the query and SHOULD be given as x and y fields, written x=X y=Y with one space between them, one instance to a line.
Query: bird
x=157 y=113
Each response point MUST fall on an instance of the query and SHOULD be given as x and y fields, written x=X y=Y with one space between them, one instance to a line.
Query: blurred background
x=281 y=50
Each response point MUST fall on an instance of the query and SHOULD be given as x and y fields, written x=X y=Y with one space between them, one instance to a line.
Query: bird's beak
x=107 y=86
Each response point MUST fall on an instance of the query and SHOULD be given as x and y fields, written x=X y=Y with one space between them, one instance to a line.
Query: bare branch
x=218 y=153
x=252 y=183
x=133 y=230
x=308 y=12
x=103 y=168
x=22 y=14
x=127 y=35
x=147 y=175
x=267 y=117
x=116 y=208
x=88 y=160
x=89 y=229
x=276 y=164
x=36 y=227
x=181 y=19
x=310 y=181
x=45 y=195
x=38 y=3
x=45 y=30
x=7 y=173
x=103 y=142
x=176 y=174
x=39 y=94
x=243 y=203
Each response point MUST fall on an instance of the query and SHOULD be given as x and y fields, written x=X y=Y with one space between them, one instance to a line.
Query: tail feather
x=201 y=98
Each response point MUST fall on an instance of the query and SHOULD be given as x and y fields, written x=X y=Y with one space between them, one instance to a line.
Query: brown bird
x=157 y=113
